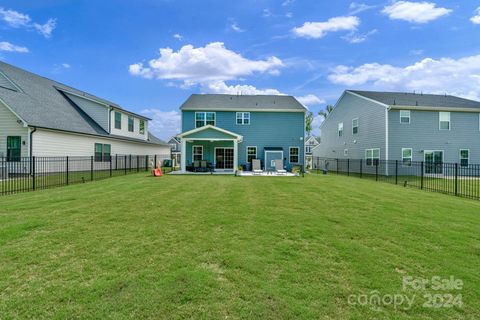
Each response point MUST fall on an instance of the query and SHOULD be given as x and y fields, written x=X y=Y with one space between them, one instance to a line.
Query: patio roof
x=210 y=132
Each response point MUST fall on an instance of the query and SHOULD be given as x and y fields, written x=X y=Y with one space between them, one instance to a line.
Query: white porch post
x=183 y=156
x=235 y=155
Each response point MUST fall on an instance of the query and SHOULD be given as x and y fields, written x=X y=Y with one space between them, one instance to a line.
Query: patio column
x=183 y=156
x=235 y=155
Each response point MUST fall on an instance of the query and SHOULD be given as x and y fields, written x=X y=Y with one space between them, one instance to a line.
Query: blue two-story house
x=229 y=131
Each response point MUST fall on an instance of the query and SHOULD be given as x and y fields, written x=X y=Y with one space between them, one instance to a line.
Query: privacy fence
x=35 y=173
x=459 y=179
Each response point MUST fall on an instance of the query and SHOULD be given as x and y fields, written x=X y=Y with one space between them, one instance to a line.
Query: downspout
x=30 y=145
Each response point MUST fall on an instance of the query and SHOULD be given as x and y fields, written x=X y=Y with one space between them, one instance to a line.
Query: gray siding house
x=42 y=117
x=402 y=126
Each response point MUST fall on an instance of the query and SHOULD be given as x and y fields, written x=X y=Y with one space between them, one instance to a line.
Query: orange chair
x=157 y=172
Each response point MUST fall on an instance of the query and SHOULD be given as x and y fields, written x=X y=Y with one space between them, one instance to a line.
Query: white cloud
x=266 y=13
x=415 y=12
x=416 y=52
x=7 y=46
x=359 y=7
x=287 y=3
x=354 y=37
x=14 y=19
x=310 y=100
x=47 y=28
x=178 y=36
x=318 y=30
x=236 y=28
x=164 y=124
x=242 y=89
x=211 y=63
x=455 y=76
x=66 y=65
x=476 y=18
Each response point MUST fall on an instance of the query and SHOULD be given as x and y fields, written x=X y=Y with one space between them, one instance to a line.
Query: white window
x=204 y=118
x=197 y=153
x=345 y=152
x=464 y=157
x=444 y=120
x=407 y=154
x=355 y=126
x=251 y=154
x=294 y=154
x=308 y=149
x=372 y=156
x=340 y=129
x=405 y=116
x=243 y=118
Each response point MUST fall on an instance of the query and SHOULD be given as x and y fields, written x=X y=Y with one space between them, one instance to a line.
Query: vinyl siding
x=55 y=143
x=124 y=131
x=10 y=127
x=371 y=129
x=423 y=134
x=266 y=129
x=96 y=111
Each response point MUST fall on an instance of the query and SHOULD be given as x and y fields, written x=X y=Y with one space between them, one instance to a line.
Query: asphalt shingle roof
x=40 y=104
x=418 y=99
x=240 y=102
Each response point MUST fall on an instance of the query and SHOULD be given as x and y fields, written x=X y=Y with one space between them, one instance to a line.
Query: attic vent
x=6 y=83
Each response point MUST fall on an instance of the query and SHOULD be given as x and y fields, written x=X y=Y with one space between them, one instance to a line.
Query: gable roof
x=309 y=142
x=209 y=127
x=418 y=99
x=228 y=102
x=40 y=102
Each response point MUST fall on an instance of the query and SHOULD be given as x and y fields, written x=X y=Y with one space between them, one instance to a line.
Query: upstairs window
x=251 y=154
x=102 y=152
x=141 y=128
x=204 y=118
x=464 y=157
x=308 y=149
x=130 y=124
x=14 y=148
x=444 y=120
x=243 y=118
x=118 y=120
x=372 y=157
x=355 y=126
x=407 y=157
x=340 y=129
x=405 y=116
x=294 y=154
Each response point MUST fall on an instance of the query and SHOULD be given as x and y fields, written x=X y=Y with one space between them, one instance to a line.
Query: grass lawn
x=233 y=247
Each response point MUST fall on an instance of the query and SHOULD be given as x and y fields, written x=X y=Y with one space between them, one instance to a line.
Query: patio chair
x=256 y=167
x=196 y=165
x=279 y=167
x=203 y=166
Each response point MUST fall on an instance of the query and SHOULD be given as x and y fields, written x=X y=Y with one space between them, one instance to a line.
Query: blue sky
x=149 y=56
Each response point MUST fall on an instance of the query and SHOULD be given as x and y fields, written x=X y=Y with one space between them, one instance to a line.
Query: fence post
x=456 y=179
x=155 y=164
x=125 y=164
x=376 y=170
x=33 y=173
x=110 y=165
x=138 y=164
x=337 y=166
x=91 y=168
x=130 y=164
x=67 y=171
x=348 y=167
x=361 y=168
x=421 y=179
x=146 y=162
x=116 y=162
x=396 y=171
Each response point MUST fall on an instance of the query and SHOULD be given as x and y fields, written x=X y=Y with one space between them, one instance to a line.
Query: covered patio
x=209 y=149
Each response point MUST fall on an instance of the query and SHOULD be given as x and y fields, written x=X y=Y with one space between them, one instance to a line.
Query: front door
x=270 y=157
x=434 y=162
x=224 y=158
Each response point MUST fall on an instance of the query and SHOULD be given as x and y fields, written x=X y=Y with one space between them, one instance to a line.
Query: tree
x=326 y=112
x=308 y=123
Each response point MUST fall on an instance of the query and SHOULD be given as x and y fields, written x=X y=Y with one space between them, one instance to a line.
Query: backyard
x=235 y=247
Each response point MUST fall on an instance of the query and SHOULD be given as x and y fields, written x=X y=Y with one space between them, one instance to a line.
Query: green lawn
x=233 y=247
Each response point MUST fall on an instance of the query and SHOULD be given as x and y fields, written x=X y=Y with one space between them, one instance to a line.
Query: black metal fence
x=34 y=173
x=449 y=178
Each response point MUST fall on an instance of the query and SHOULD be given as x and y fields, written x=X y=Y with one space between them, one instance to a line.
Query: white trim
x=290 y=154
x=358 y=125
x=186 y=133
x=265 y=159
x=411 y=157
x=183 y=156
x=316 y=141
x=371 y=100
x=440 y=120
x=25 y=124
x=439 y=109
x=246 y=152
x=340 y=124
x=215 y=157
x=205 y=122
x=409 y=116
x=460 y=157
x=243 y=118
x=372 y=158
x=427 y=151
x=193 y=154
